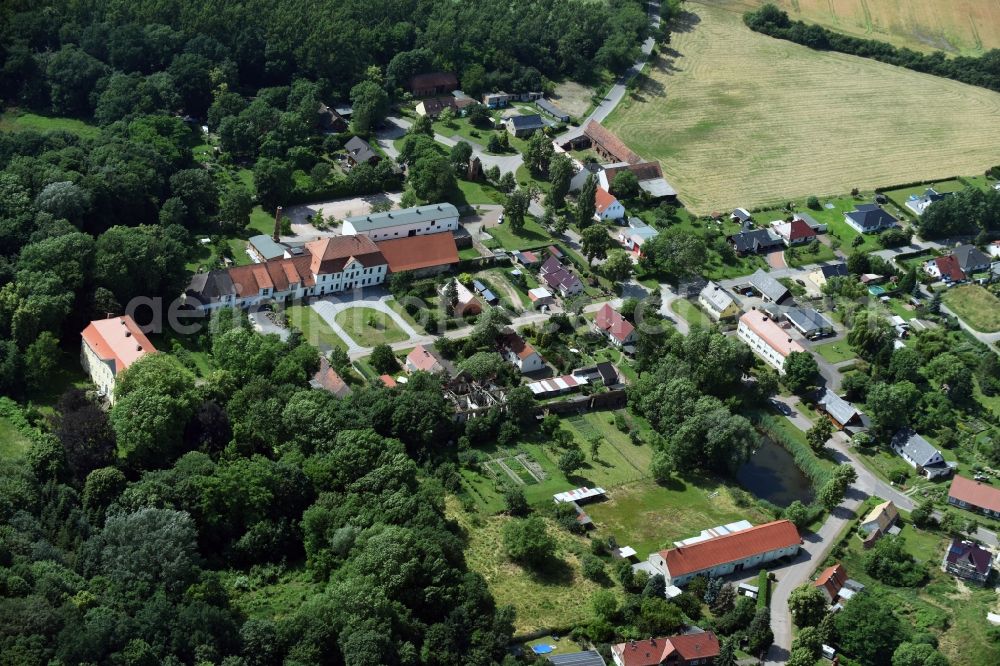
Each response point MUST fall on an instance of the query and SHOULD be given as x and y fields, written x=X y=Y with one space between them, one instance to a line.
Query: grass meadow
x=975 y=306
x=740 y=119
x=357 y=323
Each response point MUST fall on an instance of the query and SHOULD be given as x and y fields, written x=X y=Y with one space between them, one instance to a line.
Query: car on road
x=780 y=407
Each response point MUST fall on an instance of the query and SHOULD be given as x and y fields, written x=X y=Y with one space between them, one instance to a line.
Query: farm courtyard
x=740 y=119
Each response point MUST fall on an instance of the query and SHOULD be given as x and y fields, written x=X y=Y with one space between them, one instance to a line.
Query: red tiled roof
x=611 y=143
x=613 y=323
x=730 y=547
x=800 y=229
x=277 y=274
x=416 y=252
x=119 y=340
x=949 y=268
x=603 y=199
x=775 y=336
x=516 y=344
x=424 y=359
x=655 y=651
x=330 y=255
x=832 y=578
x=388 y=381
x=976 y=493
x=327 y=378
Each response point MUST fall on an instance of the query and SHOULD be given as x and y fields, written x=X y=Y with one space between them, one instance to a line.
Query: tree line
x=983 y=71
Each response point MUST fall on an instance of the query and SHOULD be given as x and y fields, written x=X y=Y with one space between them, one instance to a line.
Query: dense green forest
x=983 y=71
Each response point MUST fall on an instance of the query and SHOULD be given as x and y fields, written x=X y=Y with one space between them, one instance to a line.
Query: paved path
x=464 y=332
x=667 y=297
x=265 y=326
x=617 y=92
x=329 y=307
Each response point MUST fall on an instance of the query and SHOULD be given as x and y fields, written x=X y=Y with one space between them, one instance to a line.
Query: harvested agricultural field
x=741 y=119
x=966 y=27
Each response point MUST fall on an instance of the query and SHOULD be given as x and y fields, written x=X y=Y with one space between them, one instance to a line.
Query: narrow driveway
x=617 y=91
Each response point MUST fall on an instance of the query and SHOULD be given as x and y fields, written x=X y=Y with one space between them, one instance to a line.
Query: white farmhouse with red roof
x=729 y=553
x=606 y=206
x=110 y=346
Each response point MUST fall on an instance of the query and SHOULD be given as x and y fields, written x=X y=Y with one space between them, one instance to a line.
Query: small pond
x=771 y=474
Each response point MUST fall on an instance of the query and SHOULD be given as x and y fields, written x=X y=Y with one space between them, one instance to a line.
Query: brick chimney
x=276 y=237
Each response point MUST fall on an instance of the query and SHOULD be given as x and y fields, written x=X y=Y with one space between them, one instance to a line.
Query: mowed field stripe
x=739 y=118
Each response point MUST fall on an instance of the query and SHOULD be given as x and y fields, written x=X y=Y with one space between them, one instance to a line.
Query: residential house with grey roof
x=842 y=413
x=870 y=219
x=920 y=454
x=717 y=302
x=755 y=241
x=522 y=126
x=808 y=322
x=769 y=289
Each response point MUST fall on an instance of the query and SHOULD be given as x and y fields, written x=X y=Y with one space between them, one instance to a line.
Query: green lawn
x=900 y=196
x=13 y=121
x=835 y=352
x=977 y=307
x=649 y=516
x=531 y=235
x=315 y=330
x=691 y=313
x=801 y=256
x=463 y=129
x=356 y=322
x=12 y=443
x=474 y=194
x=468 y=253
x=398 y=308
x=261 y=222
x=618 y=461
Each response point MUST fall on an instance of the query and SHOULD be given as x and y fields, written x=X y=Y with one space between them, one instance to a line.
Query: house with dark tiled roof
x=110 y=346
x=683 y=650
x=727 y=554
x=823 y=273
x=870 y=219
x=559 y=278
x=969 y=561
x=432 y=83
x=754 y=241
x=330 y=121
x=360 y=151
x=522 y=126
